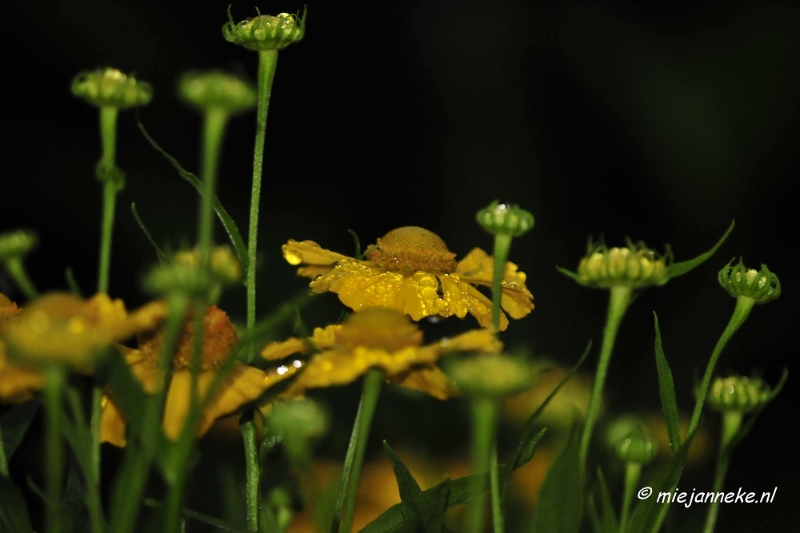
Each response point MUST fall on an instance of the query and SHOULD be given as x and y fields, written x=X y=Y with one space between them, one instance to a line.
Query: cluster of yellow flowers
x=409 y=273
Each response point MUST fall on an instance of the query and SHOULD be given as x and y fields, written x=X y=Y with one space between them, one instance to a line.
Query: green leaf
x=609 y=521
x=162 y=258
x=434 y=513
x=529 y=438
x=226 y=220
x=649 y=512
x=15 y=424
x=194 y=515
x=13 y=510
x=356 y=242
x=560 y=507
x=666 y=389
x=71 y=283
x=411 y=498
x=570 y=274
x=679 y=269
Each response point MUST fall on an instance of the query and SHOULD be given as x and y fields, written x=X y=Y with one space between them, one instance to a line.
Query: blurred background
x=613 y=118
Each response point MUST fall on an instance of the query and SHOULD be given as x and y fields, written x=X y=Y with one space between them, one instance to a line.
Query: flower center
x=381 y=328
x=219 y=338
x=410 y=249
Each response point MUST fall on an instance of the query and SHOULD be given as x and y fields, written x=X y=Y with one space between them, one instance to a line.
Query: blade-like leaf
x=15 y=423
x=527 y=453
x=560 y=507
x=608 y=520
x=666 y=389
x=529 y=438
x=678 y=269
x=649 y=512
x=226 y=220
x=13 y=510
x=436 y=507
x=162 y=258
x=411 y=497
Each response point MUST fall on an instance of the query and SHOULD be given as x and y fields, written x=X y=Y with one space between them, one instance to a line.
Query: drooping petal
x=478 y=267
x=178 y=403
x=309 y=253
x=17 y=383
x=430 y=380
x=481 y=307
x=244 y=385
x=112 y=423
x=275 y=351
x=483 y=340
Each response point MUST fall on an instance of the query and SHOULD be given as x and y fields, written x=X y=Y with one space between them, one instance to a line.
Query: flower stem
x=618 y=302
x=108 y=138
x=494 y=479
x=54 y=385
x=354 y=459
x=213 y=130
x=16 y=268
x=731 y=421
x=252 y=471
x=484 y=415
x=632 y=473
x=3 y=458
x=267 y=61
x=502 y=246
x=744 y=305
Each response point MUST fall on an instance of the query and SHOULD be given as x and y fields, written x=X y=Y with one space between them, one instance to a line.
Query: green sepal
x=678 y=269
x=606 y=521
x=560 y=507
x=162 y=257
x=226 y=220
x=745 y=428
x=666 y=389
x=13 y=509
x=530 y=439
x=570 y=274
x=15 y=423
x=649 y=513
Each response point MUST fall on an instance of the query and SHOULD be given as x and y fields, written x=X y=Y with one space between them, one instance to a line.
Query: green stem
x=213 y=130
x=17 y=270
x=742 y=310
x=618 y=302
x=354 y=459
x=108 y=138
x=267 y=61
x=252 y=471
x=494 y=479
x=484 y=415
x=632 y=473
x=3 y=458
x=731 y=421
x=54 y=385
x=502 y=246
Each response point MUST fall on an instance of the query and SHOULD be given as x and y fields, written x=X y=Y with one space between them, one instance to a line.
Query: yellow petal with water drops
x=312 y=271
x=430 y=380
x=276 y=351
x=112 y=423
x=245 y=384
x=333 y=368
x=476 y=267
x=309 y=253
x=481 y=307
x=360 y=286
x=516 y=303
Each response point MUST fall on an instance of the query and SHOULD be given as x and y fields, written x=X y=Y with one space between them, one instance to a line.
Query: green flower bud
x=738 y=393
x=225 y=267
x=634 y=266
x=265 y=32
x=490 y=375
x=111 y=88
x=217 y=90
x=762 y=286
x=178 y=279
x=17 y=244
x=304 y=419
x=505 y=219
x=637 y=446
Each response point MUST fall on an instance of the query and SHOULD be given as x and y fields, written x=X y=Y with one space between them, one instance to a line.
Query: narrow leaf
x=13 y=510
x=226 y=220
x=411 y=497
x=678 y=269
x=560 y=507
x=356 y=242
x=15 y=424
x=570 y=274
x=609 y=521
x=527 y=453
x=529 y=437
x=436 y=507
x=666 y=389
x=162 y=258
x=194 y=515
x=71 y=283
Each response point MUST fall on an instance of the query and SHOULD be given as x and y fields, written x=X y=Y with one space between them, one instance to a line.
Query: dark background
x=662 y=124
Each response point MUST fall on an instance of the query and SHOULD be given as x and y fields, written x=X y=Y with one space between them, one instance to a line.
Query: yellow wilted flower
x=378 y=338
x=411 y=270
x=245 y=383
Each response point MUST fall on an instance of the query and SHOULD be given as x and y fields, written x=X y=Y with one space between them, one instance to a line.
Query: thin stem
x=354 y=459
x=54 y=381
x=502 y=246
x=267 y=61
x=617 y=305
x=3 y=458
x=494 y=480
x=632 y=473
x=484 y=414
x=16 y=268
x=252 y=471
x=742 y=310
x=108 y=138
x=731 y=421
x=213 y=130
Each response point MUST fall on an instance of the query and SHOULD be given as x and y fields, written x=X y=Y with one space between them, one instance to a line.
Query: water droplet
x=292 y=258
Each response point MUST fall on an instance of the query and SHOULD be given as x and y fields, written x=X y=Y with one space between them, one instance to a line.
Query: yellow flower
x=245 y=383
x=63 y=328
x=378 y=338
x=17 y=383
x=411 y=270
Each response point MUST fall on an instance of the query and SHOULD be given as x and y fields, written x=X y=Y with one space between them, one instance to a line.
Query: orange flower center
x=379 y=328
x=410 y=249
x=219 y=338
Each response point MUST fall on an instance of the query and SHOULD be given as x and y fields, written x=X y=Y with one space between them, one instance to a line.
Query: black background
x=662 y=124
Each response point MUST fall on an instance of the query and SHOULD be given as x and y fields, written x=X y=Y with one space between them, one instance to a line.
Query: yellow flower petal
x=481 y=307
x=17 y=383
x=478 y=267
x=309 y=253
x=430 y=380
x=112 y=423
x=482 y=340
x=244 y=385
x=276 y=351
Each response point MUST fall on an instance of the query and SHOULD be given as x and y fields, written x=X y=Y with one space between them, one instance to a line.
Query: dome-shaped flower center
x=219 y=338
x=381 y=328
x=410 y=249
